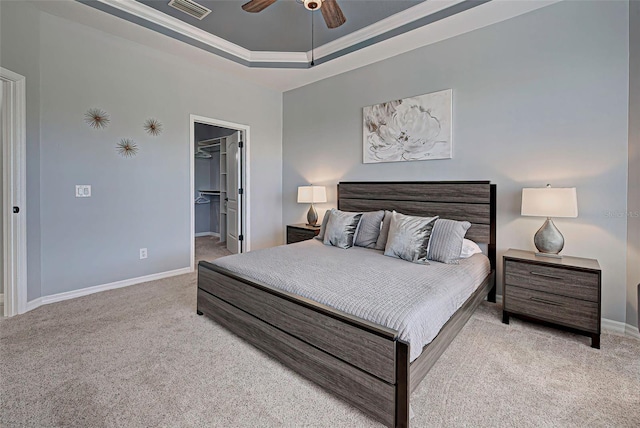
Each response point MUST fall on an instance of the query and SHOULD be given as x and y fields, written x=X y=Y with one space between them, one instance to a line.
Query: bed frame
x=363 y=363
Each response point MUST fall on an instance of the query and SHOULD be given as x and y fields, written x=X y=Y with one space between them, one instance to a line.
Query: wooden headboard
x=473 y=201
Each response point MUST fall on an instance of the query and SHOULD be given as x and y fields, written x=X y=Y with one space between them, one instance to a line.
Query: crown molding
x=256 y=58
x=475 y=18
x=284 y=57
x=392 y=22
x=288 y=76
x=150 y=14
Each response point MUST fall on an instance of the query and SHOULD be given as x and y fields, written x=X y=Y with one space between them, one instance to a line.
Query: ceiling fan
x=331 y=12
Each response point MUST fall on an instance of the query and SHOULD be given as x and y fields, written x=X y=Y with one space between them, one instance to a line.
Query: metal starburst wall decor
x=127 y=148
x=153 y=127
x=97 y=118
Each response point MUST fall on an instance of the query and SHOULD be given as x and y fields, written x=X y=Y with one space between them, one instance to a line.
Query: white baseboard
x=615 y=327
x=612 y=326
x=632 y=331
x=45 y=300
x=201 y=234
x=33 y=304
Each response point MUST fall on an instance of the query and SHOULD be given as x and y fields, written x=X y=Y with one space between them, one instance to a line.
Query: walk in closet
x=211 y=187
x=218 y=193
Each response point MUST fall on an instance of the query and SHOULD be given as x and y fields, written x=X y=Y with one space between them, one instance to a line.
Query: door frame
x=14 y=192
x=244 y=221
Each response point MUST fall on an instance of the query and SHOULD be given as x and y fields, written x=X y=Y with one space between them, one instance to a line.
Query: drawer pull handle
x=548 y=302
x=546 y=276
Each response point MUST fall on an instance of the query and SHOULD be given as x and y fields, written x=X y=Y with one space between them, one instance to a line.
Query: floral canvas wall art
x=416 y=128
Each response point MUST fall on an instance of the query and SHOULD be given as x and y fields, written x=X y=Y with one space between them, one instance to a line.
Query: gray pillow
x=381 y=243
x=369 y=229
x=341 y=228
x=323 y=226
x=409 y=237
x=447 y=239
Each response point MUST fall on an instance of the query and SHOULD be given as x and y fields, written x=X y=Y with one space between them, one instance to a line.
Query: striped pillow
x=381 y=243
x=446 y=240
x=369 y=229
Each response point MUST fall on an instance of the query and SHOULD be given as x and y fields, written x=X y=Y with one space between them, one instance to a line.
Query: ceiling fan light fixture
x=331 y=12
x=312 y=4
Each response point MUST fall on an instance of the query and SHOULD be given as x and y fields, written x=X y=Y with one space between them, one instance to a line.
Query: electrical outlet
x=83 y=190
x=143 y=253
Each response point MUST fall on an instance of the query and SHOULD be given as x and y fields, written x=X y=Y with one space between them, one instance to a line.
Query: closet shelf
x=209 y=192
x=211 y=141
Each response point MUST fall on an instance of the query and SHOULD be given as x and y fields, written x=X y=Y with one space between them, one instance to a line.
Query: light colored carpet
x=210 y=248
x=141 y=357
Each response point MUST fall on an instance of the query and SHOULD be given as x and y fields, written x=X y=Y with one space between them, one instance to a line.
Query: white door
x=233 y=174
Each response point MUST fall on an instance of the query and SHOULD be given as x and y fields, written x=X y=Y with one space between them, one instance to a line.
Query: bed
x=365 y=363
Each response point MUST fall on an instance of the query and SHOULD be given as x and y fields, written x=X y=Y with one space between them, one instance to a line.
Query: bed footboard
x=430 y=353
x=362 y=363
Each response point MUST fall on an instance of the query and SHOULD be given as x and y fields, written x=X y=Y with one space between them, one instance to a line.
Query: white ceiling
x=287 y=79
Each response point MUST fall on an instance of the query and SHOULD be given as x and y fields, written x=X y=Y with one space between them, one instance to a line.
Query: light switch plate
x=83 y=190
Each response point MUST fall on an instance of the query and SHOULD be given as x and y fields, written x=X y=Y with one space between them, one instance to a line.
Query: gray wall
x=541 y=98
x=633 y=219
x=139 y=202
x=20 y=22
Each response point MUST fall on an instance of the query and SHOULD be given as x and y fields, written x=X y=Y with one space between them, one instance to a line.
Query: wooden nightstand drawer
x=300 y=232
x=550 y=307
x=563 y=291
x=550 y=279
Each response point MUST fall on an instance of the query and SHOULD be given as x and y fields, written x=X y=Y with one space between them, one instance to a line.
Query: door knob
x=16 y=210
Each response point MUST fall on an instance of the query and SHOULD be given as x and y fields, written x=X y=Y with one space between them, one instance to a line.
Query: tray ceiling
x=285 y=26
x=280 y=35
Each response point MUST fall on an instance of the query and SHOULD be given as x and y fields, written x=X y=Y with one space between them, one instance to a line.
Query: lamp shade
x=550 y=202
x=311 y=194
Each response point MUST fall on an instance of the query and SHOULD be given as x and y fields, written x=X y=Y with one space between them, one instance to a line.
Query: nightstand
x=301 y=232
x=563 y=292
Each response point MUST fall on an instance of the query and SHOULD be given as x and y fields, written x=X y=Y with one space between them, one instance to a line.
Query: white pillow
x=469 y=248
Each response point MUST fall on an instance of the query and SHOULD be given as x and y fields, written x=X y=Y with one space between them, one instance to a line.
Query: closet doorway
x=218 y=184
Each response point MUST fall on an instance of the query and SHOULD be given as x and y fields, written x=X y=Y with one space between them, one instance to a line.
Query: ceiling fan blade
x=332 y=14
x=255 y=6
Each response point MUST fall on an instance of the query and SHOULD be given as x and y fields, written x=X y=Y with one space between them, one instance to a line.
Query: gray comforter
x=416 y=300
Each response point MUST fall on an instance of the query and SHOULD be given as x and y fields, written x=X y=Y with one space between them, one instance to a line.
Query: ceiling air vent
x=190 y=8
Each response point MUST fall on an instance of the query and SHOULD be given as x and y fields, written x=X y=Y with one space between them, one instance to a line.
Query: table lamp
x=549 y=202
x=312 y=195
